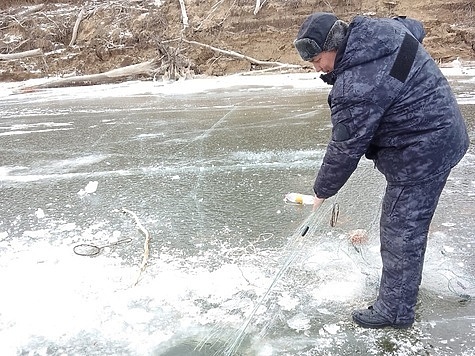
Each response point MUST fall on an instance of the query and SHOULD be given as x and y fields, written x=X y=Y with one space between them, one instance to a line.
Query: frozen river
x=203 y=167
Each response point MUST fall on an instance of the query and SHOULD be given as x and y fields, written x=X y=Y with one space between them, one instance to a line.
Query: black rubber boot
x=369 y=318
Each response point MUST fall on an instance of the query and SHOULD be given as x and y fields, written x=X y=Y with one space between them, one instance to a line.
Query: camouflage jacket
x=390 y=102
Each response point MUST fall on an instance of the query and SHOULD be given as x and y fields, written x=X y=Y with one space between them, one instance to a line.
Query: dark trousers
x=405 y=218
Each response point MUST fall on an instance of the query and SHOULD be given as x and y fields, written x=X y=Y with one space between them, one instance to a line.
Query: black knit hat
x=320 y=32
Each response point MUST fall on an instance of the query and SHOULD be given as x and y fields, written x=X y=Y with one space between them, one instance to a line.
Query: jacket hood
x=372 y=39
x=414 y=26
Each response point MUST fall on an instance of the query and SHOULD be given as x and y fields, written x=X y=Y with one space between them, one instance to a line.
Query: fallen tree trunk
x=100 y=78
x=242 y=56
x=30 y=10
x=31 y=53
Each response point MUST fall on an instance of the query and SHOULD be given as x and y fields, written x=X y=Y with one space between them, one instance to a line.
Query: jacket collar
x=331 y=77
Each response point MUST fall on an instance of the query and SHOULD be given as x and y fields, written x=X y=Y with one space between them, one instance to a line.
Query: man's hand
x=317 y=202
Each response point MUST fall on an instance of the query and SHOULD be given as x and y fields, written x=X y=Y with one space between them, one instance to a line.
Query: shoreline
x=194 y=85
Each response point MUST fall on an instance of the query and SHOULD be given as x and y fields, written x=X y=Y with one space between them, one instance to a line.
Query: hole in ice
x=192 y=347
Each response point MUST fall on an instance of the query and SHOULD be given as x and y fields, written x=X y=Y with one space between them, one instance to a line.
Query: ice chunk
x=287 y=302
x=40 y=214
x=299 y=322
x=448 y=224
x=90 y=188
x=331 y=328
x=448 y=249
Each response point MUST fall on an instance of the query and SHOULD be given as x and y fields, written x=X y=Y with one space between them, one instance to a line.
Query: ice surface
x=53 y=301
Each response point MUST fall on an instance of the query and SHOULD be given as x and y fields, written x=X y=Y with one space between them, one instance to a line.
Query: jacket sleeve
x=354 y=125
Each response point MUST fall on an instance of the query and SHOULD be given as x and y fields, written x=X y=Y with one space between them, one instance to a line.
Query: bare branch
x=146 y=234
x=213 y=9
x=259 y=6
x=242 y=56
x=76 y=26
x=183 y=13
